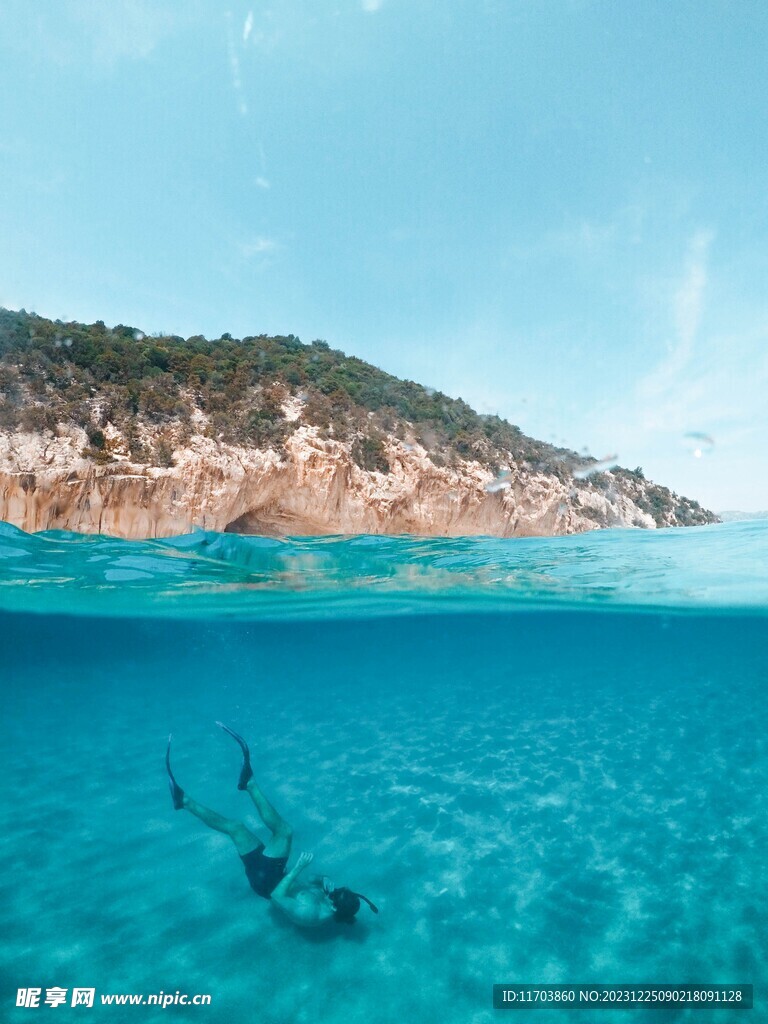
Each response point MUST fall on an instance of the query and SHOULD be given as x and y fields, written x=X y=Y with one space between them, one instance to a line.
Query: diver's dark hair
x=346 y=903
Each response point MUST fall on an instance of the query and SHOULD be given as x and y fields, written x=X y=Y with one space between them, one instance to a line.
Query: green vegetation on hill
x=91 y=375
x=240 y=386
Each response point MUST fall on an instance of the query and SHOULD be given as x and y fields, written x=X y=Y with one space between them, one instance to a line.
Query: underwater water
x=545 y=761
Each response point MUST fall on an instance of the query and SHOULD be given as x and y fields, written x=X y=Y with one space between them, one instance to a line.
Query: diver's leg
x=280 y=843
x=243 y=838
x=282 y=833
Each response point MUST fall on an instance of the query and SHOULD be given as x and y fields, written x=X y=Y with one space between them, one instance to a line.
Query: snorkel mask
x=345 y=902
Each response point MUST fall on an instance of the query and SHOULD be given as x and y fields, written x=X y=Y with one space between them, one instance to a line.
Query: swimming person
x=307 y=905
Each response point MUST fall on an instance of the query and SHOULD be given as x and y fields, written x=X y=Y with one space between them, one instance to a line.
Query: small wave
x=211 y=575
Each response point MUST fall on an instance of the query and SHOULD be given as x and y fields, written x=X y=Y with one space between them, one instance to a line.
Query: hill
x=95 y=400
x=733 y=516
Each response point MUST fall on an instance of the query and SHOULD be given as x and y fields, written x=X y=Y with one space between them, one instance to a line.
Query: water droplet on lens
x=501 y=482
x=606 y=462
x=698 y=444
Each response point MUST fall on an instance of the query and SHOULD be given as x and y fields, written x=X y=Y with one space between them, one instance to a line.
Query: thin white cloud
x=262 y=182
x=371 y=6
x=668 y=379
x=126 y=29
x=248 y=26
x=582 y=238
x=709 y=382
x=257 y=247
x=99 y=37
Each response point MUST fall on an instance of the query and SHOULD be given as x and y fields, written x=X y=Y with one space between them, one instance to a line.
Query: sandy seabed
x=527 y=798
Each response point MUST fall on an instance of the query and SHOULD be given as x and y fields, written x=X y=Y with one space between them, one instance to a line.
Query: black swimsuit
x=263 y=872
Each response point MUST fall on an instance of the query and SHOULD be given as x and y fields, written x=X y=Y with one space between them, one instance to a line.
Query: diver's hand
x=304 y=859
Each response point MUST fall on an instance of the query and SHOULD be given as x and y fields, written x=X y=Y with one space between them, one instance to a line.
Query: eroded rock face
x=314 y=487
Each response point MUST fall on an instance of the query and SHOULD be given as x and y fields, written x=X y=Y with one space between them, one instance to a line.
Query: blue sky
x=556 y=210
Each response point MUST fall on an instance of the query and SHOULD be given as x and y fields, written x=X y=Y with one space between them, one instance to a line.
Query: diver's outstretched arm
x=306 y=913
x=283 y=888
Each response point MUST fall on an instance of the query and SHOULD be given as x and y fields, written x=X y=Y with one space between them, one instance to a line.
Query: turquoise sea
x=545 y=760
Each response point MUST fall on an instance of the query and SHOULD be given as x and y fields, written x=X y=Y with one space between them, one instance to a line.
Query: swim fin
x=177 y=793
x=246 y=772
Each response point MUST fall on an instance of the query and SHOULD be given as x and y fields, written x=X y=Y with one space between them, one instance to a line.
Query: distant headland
x=109 y=430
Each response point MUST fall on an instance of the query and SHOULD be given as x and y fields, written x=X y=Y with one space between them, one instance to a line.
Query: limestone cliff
x=313 y=486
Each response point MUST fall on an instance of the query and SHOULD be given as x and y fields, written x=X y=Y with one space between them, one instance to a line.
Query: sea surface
x=544 y=760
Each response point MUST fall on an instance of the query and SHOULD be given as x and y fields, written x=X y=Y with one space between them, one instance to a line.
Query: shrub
x=369 y=453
